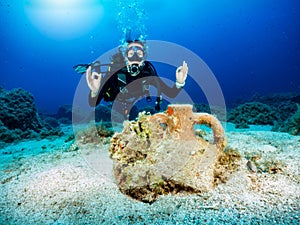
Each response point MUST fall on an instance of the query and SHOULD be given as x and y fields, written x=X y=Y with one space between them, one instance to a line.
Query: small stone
x=251 y=166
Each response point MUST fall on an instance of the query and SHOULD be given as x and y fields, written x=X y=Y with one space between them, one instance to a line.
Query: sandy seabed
x=50 y=182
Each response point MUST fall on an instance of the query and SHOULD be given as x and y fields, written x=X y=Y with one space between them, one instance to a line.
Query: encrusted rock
x=253 y=113
x=19 y=118
x=18 y=110
x=161 y=154
x=291 y=125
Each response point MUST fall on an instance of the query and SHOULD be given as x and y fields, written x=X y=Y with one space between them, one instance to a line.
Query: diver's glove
x=93 y=80
x=181 y=75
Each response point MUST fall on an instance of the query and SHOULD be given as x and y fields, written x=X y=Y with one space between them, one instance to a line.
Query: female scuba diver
x=129 y=78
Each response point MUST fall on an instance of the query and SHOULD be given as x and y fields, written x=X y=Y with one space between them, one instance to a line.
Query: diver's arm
x=171 y=92
x=94 y=101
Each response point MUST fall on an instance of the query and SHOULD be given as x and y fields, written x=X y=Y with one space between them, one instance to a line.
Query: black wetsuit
x=123 y=86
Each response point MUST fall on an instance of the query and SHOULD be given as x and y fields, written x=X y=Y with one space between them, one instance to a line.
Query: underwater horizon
x=251 y=47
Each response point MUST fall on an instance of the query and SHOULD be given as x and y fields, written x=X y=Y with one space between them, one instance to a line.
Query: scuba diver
x=129 y=78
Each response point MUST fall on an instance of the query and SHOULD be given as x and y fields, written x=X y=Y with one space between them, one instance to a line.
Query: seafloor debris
x=160 y=154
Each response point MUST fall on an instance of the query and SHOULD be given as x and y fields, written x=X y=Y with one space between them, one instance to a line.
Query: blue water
x=250 y=46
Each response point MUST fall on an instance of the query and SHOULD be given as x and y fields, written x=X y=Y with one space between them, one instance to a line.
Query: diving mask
x=135 y=56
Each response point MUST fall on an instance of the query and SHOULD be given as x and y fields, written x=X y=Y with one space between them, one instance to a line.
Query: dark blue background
x=252 y=46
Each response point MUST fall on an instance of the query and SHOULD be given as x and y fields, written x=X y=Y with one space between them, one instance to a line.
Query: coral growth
x=19 y=118
x=18 y=110
x=99 y=133
x=291 y=125
x=161 y=154
x=252 y=113
x=279 y=110
x=228 y=162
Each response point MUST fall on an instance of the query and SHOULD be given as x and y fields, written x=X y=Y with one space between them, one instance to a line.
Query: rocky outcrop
x=291 y=125
x=18 y=110
x=279 y=110
x=253 y=113
x=19 y=118
x=67 y=113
